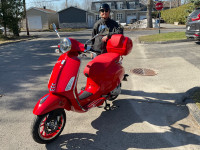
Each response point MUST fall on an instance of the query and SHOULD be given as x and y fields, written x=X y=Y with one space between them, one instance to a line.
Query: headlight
x=65 y=45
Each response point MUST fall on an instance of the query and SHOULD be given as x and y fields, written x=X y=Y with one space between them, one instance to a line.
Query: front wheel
x=48 y=127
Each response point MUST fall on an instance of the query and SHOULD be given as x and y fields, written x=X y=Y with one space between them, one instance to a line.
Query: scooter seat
x=99 y=64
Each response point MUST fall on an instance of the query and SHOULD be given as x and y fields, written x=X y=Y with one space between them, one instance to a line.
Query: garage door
x=129 y=18
x=35 y=22
x=90 y=21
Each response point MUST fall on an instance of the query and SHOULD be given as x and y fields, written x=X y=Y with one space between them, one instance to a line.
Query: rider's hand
x=105 y=38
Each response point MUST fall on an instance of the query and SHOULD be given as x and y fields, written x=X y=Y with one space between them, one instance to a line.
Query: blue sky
x=57 y=3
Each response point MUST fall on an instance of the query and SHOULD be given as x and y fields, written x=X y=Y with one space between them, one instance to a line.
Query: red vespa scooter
x=104 y=75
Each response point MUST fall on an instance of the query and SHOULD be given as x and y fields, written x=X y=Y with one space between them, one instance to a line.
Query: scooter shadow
x=118 y=129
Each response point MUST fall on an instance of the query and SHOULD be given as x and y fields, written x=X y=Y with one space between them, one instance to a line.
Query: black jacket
x=114 y=28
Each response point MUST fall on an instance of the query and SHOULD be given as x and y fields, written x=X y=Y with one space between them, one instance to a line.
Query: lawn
x=163 y=37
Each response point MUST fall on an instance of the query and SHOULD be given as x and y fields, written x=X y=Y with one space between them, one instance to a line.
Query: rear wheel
x=48 y=127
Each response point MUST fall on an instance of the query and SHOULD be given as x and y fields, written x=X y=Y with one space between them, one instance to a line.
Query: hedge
x=178 y=14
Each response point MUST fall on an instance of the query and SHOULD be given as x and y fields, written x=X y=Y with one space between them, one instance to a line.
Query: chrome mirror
x=55 y=29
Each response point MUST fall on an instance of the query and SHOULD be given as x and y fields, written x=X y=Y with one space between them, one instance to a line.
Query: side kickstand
x=108 y=107
x=125 y=77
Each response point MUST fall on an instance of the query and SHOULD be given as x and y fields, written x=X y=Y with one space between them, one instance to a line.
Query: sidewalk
x=175 y=77
x=172 y=26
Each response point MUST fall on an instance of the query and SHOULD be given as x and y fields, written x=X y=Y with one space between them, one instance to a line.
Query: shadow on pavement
x=114 y=132
x=23 y=68
x=157 y=97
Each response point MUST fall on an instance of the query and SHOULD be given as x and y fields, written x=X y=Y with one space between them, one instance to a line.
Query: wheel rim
x=49 y=130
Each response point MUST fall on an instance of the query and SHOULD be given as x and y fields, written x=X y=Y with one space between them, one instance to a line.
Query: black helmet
x=104 y=6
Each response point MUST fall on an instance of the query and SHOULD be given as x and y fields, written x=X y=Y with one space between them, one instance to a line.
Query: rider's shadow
x=124 y=128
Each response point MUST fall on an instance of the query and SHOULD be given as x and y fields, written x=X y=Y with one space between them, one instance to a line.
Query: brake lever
x=87 y=48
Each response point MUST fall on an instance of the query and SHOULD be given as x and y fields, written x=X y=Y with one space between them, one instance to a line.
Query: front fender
x=50 y=102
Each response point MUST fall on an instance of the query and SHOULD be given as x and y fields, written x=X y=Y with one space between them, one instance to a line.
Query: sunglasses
x=102 y=10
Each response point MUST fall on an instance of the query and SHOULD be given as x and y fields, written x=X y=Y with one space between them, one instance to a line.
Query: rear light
x=59 y=46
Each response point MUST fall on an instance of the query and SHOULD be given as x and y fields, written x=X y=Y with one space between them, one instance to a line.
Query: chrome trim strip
x=63 y=61
x=74 y=92
x=70 y=83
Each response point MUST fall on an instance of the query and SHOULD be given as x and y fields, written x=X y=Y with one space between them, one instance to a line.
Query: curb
x=193 y=109
x=166 y=42
x=17 y=41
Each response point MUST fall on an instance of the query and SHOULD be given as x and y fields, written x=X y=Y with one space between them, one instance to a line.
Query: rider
x=99 y=43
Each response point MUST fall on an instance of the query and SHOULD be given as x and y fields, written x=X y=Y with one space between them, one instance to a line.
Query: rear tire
x=48 y=127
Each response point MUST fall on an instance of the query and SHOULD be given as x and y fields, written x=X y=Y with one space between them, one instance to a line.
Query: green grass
x=163 y=37
x=196 y=98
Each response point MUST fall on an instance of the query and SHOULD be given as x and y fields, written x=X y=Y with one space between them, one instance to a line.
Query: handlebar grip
x=85 y=46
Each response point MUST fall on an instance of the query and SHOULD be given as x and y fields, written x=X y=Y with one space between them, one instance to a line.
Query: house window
x=97 y=17
x=109 y=4
x=97 y=6
x=132 y=5
x=120 y=5
x=119 y=16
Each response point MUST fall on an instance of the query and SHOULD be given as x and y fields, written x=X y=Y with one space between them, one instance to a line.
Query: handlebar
x=89 y=49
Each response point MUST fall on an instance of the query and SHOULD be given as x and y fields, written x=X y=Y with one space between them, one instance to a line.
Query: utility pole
x=170 y=4
x=149 y=12
x=66 y=5
x=27 y=29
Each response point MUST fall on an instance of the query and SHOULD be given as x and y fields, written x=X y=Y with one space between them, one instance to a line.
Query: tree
x=149 y=13
x=87 y=4
x=3 y=15
x=25 y=16
x=196 y=3
x=71 y=3
x=42 y=4
x=11 y=12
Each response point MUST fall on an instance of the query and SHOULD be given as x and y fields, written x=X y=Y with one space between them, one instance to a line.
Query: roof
x=43 y=10
x=47 y=10
x=72 y=7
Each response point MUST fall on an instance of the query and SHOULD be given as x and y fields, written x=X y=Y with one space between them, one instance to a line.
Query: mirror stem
x=58 y=34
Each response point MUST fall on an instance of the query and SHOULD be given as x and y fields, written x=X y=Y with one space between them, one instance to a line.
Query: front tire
x=48 y=127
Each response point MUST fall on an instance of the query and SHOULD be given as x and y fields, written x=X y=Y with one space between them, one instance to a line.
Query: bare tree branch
x=40 y=4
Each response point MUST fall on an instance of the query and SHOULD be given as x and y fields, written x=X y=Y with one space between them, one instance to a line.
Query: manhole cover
x=144 y=72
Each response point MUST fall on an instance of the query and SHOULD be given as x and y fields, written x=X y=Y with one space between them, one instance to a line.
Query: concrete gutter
x=20 y=40
x=194 y=110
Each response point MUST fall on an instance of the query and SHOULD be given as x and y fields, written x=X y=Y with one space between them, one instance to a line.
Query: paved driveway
x=146 y=118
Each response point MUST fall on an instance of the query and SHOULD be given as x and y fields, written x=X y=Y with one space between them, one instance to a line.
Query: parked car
x=193 y=25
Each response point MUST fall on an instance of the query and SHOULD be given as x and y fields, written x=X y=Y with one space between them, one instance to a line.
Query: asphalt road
x=25 y=68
